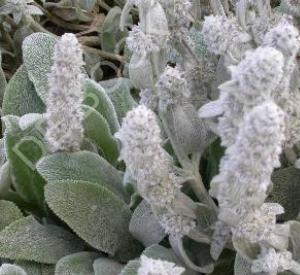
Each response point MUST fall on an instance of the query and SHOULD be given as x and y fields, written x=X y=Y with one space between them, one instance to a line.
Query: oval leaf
x=84 y=165
x=144 y=225
x=20 y=96
x=104 y=266
x=97 y=215
x=76 y=264
x=38 y=51
x=97 y=129
x=96 y=97
x=9 y=213
x=26 y=239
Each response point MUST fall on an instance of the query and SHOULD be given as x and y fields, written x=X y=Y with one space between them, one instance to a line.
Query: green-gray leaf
x=104 y=266
x=295 y=239
x=83 y=165
x=97 y=129
x=38 y=51
x=20 y=96
x=11 y=269
x=96 y=97
x=118 y=89
x=80 y=263
x=24 y=149
x=131 y=268
x=9 y=213
x=97 y=215
x=33 y=268
x=26 y=239
x=242 y=266
x=286 y=191
x=144 y=225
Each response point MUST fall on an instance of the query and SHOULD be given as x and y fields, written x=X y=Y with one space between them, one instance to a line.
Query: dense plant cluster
x=150 y=137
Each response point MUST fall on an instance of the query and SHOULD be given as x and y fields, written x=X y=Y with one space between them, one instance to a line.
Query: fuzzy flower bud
x=177 y=225
x=215 y=33
x=64 y=114
x=141 y=143
x=246 y=168
x=272 y=262
x=149 y=99
x=259 y=72
x=260 y=224
x=253 y=81
x=151 y=266
x=172 y=87
x=149 y=164
x=285 y=38
x=141 y=43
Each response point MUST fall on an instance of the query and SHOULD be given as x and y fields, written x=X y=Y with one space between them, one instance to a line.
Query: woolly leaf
x=9 y=213
x=76 y=264
x=95 y=214
x=97 y=129
x=33 y=268
x=242 y=266
x=246 y=249
x=118 y=90
x=24 y=149
x=10 y=269
x=5 y=179
x=159 y=252
x=96 y=97
x=38 y=51
x=286 y=191
x=84 y=165
x=20 y=96
x=111 y=35
x=186 y=131
x=26 y=239
x=131 y=268
x=295 y=239
x=104 y=266
x=144 y=225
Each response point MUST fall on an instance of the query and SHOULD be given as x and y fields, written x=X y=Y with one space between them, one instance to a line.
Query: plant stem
x=200 y=190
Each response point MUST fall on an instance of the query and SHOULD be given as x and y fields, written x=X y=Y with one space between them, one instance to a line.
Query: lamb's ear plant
x=187 y=164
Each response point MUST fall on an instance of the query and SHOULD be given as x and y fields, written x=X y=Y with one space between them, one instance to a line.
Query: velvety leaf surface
x=119 y=92
x=33 y=268
x=97 y=215
x=26 y=239
x=20 y=96
x=96 y=97
x=131 y=268
x=103 y=266
x=80 y=263
x=38 y=50
x=10 y=269
x=97 y=129
x=24 y=149
x=295 y=239
x=84 y=165
x=286 y=191
x=9 y=213
x=144 y=225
